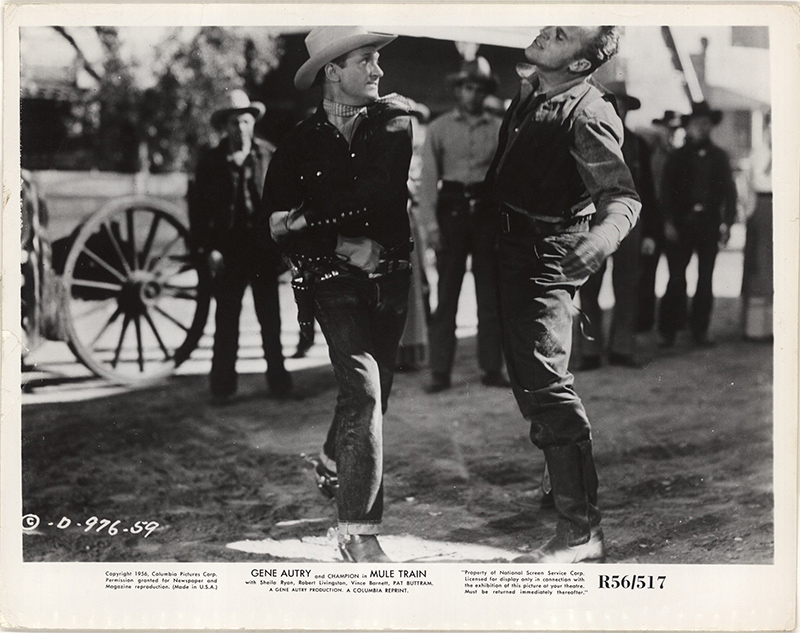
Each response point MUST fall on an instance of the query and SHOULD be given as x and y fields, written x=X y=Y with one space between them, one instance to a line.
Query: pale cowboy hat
x=477 y=70
x=326 y=43
x=236 y=102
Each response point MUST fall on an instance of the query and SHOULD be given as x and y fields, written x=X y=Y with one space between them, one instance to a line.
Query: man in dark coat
x=336 y=200
x=225 y=195
x=699 y=196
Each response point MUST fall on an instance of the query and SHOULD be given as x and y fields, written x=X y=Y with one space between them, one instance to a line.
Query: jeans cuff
x=347 y=528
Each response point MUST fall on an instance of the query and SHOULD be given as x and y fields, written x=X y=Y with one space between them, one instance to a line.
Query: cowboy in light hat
x=336 y=201
x=455 y=217
x=236 y=102
x=223 y=202
x=699 y=197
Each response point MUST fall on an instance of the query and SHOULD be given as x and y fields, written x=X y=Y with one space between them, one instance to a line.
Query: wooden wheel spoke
x=139 y=349
x=131 y=236
x=168 y=316
x=88 y=283
x=111 y=319
x=148 y=242
x=149 y=319
x=95 y=308
x=125 y=324
x=103 y=263
x=180 y=292
x=152 y=263
x=117 y=247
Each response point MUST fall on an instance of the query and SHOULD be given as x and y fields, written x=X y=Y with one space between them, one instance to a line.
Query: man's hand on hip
x=588 y=254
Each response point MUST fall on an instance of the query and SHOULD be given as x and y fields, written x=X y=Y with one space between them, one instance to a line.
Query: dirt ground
x=683 y=449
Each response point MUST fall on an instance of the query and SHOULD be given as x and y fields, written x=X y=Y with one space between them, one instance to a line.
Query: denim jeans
x=362 y=320
x=536 y=307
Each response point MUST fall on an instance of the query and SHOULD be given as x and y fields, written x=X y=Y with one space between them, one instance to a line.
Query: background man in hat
x=565 y=199
x=626 y=269
x=223 y=202
x=457 y=153
x=699 y=196
x=669 y=135
x=335 y=199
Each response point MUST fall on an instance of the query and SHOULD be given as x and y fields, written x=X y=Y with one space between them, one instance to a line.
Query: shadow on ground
x=684 y=452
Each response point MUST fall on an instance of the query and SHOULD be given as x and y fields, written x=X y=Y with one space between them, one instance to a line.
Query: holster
x=303 y=281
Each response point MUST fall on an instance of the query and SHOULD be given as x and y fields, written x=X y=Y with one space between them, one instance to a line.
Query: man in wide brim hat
x=236 y=102
x=670 y=119
x=702 y=109
x=327 y=43
x=476 y=70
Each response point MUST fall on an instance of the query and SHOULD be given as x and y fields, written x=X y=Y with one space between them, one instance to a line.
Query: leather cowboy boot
x=362 y=548
x=578 y=537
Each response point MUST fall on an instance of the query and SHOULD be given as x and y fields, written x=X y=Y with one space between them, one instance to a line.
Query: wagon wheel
x=136 y=294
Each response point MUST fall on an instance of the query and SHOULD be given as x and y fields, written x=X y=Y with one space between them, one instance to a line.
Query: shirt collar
x=459 y=115
x=574 y=88
x=332 y=108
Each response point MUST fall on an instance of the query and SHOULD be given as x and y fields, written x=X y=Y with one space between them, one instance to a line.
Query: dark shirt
x=698 y=179
x=224 y=197
x=560 y=155
x=355 y=190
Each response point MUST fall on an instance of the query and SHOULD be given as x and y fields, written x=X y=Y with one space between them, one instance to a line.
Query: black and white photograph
x=499 y=310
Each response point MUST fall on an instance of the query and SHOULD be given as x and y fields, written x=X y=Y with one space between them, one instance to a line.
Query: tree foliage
x=166 y=123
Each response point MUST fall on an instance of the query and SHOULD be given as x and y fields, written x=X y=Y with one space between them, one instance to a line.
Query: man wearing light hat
x=335 y=200
x=458 y=150
x=223 y=202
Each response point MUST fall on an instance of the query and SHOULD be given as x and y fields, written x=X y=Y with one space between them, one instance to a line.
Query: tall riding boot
x=574 y=480
x=590 y=481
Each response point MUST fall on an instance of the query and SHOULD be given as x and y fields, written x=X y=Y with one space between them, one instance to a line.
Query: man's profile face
x=240 y=129
x=471 y=95
x=360 y=76
x=556 y=47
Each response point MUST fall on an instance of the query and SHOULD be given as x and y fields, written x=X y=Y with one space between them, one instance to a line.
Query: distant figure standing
x=757 y=282
x=669 y=137
x=225 y=195
x=457 y=154
x=626 y=268
x=700 y=206
x=413 y=352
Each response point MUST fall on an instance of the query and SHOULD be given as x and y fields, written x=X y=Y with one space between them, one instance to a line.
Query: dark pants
x=647 y=290
x=362 y=320
x=536 y=305
x=625 y=279
x=698 y=233
x=229 y=286
x=465 y=229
